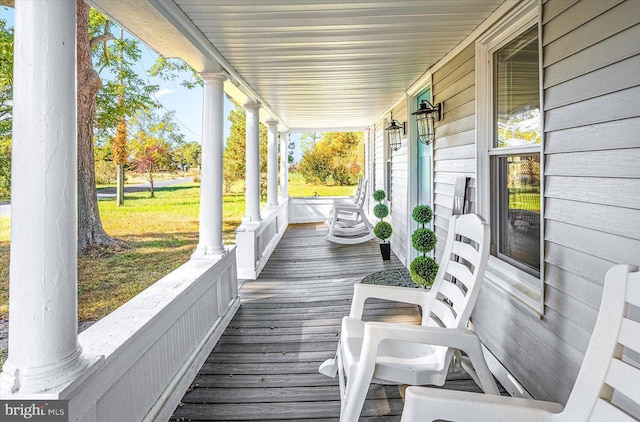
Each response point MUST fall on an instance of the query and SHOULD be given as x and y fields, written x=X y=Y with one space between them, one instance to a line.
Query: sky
x=187 y=103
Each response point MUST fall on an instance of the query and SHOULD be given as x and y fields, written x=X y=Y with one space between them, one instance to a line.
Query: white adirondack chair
x=348 y=223
x=607 y=387
x=417 y=354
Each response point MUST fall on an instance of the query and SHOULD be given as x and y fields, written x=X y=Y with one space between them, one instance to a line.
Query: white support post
x=211 y=196
x=43 y=343
x=284 y=165
x=272 y=161
x=252 y=193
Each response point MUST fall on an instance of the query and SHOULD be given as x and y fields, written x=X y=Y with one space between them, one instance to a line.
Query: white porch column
x=43 y=343
x=272 y=168
x=252 y=193
x=211 y=196
x=284 y=165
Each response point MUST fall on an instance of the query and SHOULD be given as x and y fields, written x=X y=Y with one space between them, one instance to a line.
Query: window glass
x=518 y=210
x=517 y=96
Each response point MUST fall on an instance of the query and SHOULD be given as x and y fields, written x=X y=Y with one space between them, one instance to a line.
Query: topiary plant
x=382 y=230
x=423 y=269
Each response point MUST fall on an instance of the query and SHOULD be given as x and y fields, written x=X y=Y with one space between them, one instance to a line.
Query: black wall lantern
x=426 y=116
x=396 y=132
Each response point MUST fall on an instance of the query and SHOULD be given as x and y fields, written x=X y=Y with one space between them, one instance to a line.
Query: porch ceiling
x=332 y=64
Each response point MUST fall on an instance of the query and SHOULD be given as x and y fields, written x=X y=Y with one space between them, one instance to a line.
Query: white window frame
x=523 y=288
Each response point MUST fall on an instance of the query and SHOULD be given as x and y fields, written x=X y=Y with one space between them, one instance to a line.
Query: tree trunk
x=90 y=231
x=151 y=183
x=120 y=186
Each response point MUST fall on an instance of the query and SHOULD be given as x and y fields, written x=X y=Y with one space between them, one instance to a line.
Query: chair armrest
x=362 y=292
x=428 y=404
x=458 y=338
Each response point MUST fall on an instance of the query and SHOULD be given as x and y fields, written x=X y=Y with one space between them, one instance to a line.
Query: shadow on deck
x=265 y=366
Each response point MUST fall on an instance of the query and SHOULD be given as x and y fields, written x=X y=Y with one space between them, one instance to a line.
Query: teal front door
x=424 y=162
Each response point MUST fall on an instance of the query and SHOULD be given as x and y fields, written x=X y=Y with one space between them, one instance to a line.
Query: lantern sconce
x=396 y=132
x=426 y=116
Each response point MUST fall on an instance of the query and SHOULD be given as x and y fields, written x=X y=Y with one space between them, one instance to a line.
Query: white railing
x=311 y=209
x=150 y=349
x=256 y=242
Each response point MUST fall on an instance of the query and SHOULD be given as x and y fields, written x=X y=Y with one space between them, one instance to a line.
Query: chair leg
x=356 y=393
x=329 y=368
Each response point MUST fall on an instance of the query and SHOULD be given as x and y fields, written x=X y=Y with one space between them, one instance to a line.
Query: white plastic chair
x=390 y=353
x=348 y=223
x=607 y=387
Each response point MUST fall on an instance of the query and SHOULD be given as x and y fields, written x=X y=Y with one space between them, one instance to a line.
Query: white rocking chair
x=417 y=354
x=348 y=223
x=607 y=387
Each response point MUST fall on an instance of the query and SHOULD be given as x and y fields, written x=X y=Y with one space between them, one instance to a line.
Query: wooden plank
x=583 y=315
x=453 y=114
x=604 y=26
x=578 y=263
x=456 y=166
x=459 y=85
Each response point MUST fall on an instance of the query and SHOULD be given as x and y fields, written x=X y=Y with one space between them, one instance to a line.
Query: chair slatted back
x=608 y=384
x=463 y=261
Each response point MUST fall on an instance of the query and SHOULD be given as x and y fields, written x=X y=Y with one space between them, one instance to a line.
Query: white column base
x=47 y=381
x=207 y=252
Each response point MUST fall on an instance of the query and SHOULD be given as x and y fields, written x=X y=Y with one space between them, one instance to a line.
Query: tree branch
x=100 y=38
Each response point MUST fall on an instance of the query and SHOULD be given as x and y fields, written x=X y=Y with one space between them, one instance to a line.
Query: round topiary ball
x=381 y=211
x=379 y=195
x=382 y=230
x=423 y=240
x=423 y=270
x=422 y=214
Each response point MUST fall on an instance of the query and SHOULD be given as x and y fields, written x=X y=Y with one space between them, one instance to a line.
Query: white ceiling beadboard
x=319 y=64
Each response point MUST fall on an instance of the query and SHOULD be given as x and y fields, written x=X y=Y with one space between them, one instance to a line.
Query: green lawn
x=160 y=234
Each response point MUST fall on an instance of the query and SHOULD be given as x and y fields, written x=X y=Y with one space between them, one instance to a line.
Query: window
x=509 y=155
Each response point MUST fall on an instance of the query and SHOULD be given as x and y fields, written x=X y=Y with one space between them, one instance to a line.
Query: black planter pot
x=385 y=250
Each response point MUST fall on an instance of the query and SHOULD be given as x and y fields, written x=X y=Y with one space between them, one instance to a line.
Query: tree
x=235 y=163
x=291 y=147
x=335 y=159
x=189 y=154
x=90 y=230
x=152 y=146
x=6 y=107
x=6 y=79
x=99 y=109
x=308 y=141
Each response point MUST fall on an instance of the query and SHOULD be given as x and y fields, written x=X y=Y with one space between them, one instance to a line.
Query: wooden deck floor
x=265 y=366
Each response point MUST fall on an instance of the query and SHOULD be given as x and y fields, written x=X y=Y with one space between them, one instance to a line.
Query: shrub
x=381 y=211
x=423 y=270
x=106 y=172
x=422 y=214
x=5 y=168
x=379 y=195
x=382 y=230
x=423 y=240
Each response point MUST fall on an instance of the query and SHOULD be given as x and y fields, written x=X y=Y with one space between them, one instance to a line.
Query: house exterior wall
x=591 y=99
x=399 y=191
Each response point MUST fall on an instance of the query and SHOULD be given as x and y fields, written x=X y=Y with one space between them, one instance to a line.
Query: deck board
x=265 y=366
